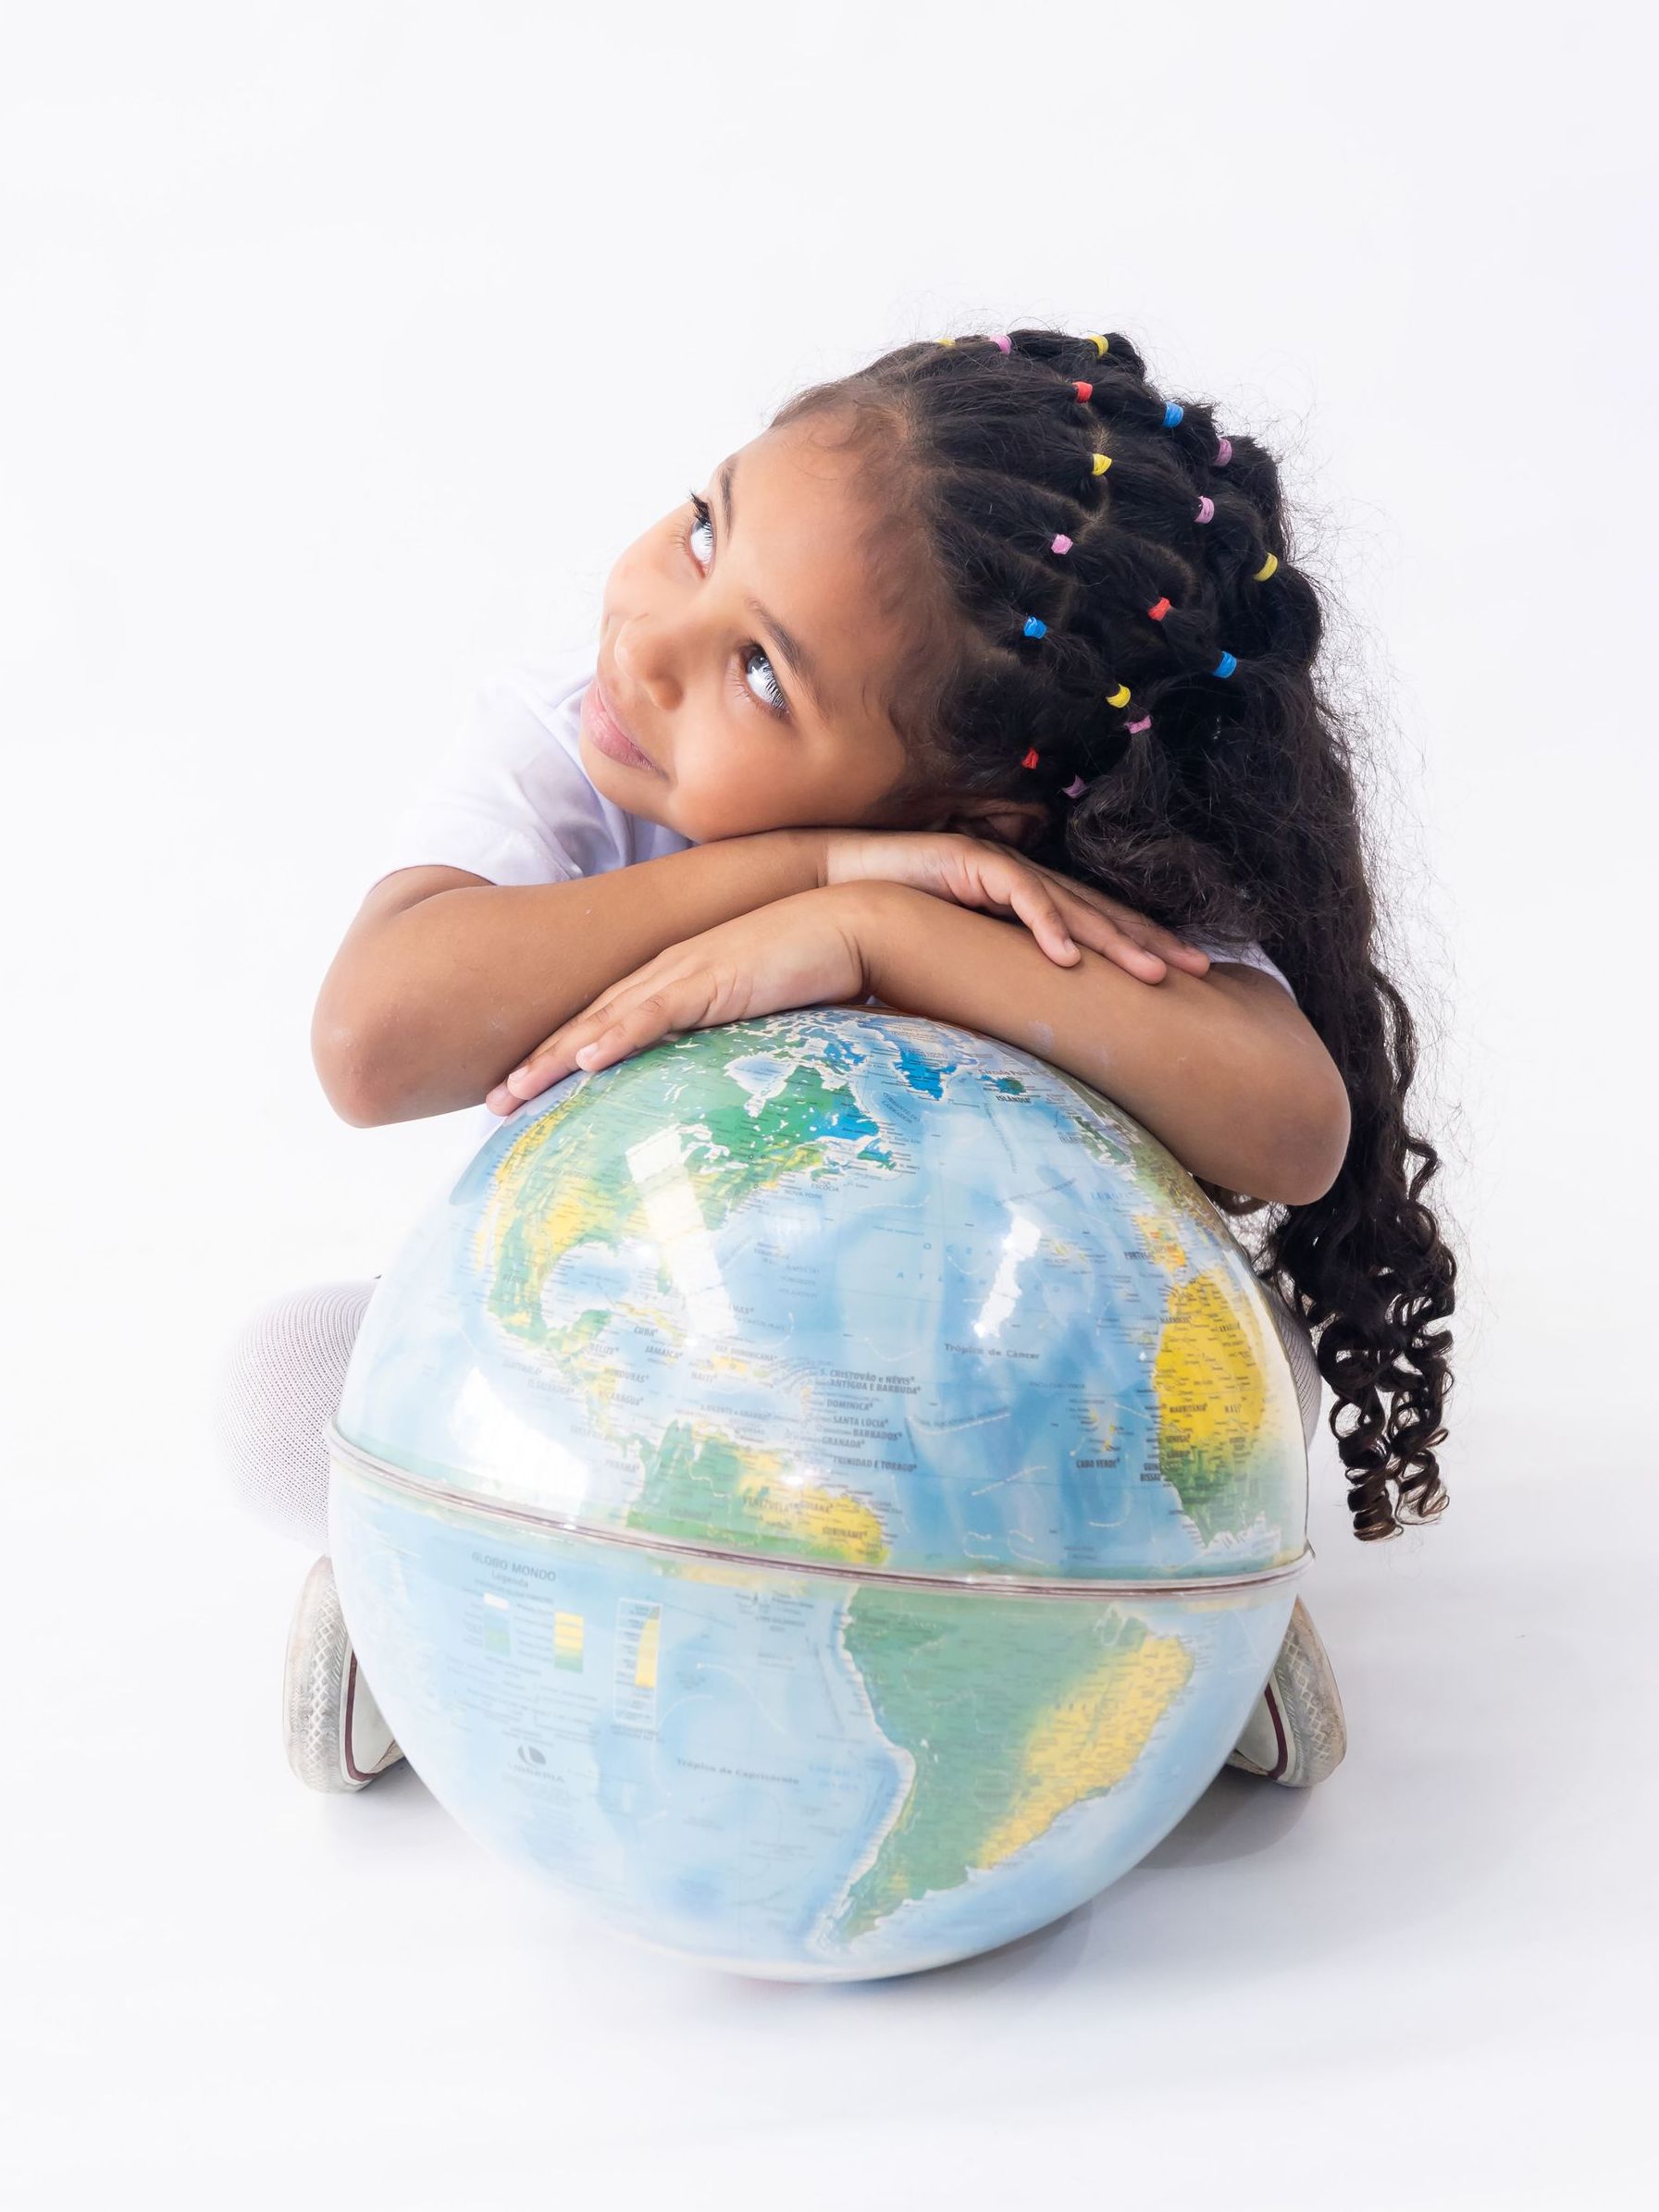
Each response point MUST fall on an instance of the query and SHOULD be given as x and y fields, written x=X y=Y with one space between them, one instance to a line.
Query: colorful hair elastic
x=1135 y=728
x=1120 y=697
x=1031 y=758
x=1003 y=342
x=1223 y=451
x=1075 y=789
x=1085 y=393
x=1174 y=411
x=1158 y=611
x=1099 y=343
x=1102 y=463
x=1034 y=629
x=1062 y=544
x=1261 y=575
x=1225 y=665
x=1207 y=509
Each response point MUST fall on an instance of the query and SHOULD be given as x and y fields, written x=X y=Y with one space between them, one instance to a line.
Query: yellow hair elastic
x=1102 y=463
x=1120 y=698
x=1266 y=568
x=1101 y=347
x=946 y=341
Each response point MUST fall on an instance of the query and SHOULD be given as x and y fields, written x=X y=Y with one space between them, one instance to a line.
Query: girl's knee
x=278 y=1387
x=1299 y=1352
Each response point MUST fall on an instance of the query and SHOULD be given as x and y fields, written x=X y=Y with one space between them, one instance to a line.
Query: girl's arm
x=444 y=981
x=1223 y=1069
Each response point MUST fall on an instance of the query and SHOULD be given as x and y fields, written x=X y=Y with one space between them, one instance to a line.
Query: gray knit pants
x=278 y=1388
x=280 y=1381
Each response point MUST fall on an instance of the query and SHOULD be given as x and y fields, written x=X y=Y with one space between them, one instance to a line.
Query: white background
x=344 y=347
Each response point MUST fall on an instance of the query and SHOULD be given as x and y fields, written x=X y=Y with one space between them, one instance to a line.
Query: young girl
x=986 y=631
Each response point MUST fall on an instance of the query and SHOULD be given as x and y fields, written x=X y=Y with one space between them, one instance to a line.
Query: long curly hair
x=1219 y=803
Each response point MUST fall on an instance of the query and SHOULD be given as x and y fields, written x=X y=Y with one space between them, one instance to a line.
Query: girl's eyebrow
x=796 y=655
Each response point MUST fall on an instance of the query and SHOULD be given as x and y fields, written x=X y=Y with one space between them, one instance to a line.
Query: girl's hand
x=801 y=951
x=975 y=872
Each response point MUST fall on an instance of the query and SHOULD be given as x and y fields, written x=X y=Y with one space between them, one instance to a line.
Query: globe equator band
x=996 y=1585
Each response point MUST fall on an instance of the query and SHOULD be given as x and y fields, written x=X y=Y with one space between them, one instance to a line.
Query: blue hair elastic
x=1174 y=411
x=1225 y=665
x=1034 y=629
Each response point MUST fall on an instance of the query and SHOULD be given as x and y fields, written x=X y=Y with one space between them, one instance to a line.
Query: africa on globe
x=825 y=1492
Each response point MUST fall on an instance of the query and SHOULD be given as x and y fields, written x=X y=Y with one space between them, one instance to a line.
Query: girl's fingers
x=643 y=1008
x=550 y=1061
x=535 y=1076
x=660 y=1013
x=1176 y=950
x=598 y=1052
x=1136 y=958
x=1157 y=943
x=1110 y=938
x=1059 y=922
x=1191 y=958
x=1041 y=914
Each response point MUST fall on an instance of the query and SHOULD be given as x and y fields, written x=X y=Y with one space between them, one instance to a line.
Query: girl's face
x=743 y=651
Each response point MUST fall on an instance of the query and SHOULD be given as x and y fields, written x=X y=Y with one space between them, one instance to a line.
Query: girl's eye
x=773 y=700
x=776 y=704
x=700 y=520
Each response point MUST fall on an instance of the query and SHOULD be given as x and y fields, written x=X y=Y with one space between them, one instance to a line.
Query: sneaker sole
x=316 y=1718
x=1305 y=1708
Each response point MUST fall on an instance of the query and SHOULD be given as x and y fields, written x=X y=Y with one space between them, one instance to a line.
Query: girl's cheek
x=729 y=800
x=700 y=816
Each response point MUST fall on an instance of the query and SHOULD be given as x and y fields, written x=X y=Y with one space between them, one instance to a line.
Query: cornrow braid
x=1107 y=622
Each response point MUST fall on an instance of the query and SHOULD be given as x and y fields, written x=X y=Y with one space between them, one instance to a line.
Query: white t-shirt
x=510 y=801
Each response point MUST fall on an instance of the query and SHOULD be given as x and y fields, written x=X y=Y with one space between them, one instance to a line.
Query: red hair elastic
x=1158 y=611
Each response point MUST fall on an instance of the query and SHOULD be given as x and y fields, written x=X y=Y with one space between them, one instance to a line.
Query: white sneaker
x=1296 y=1734
x=332 y=1730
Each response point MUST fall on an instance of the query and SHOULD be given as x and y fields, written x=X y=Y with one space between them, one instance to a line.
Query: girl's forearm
x=1223 y=1069
x=424 y=1011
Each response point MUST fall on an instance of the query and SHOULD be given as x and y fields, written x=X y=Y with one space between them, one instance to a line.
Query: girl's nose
x=649 y=659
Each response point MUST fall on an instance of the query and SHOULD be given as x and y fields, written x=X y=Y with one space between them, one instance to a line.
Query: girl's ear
x=1015 y=821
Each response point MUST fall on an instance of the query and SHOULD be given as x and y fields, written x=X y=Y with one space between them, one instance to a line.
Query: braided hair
x=1105 y=616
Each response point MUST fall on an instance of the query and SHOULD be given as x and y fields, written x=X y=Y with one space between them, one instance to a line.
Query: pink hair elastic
x=1223 y=451
x=1207 y=509
x=1136 y=727
x=1074 y=789
x=1003 y=342
x=1062 y=544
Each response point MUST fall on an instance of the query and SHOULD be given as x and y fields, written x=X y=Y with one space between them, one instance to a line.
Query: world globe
x=826 y=1492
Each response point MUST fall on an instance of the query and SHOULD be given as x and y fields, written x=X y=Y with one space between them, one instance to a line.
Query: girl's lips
x=609 y=735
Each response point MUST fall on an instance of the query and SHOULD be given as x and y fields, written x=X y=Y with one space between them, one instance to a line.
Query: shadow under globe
x=826 y=1492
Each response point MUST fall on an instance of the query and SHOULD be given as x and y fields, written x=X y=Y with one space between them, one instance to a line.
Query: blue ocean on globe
x=825 y=1492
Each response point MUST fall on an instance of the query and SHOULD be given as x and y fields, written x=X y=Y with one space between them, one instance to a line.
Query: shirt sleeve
x=505 y=801
x=1249 y=955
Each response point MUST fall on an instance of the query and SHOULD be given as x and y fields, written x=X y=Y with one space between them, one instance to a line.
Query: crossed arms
x=444 y=981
